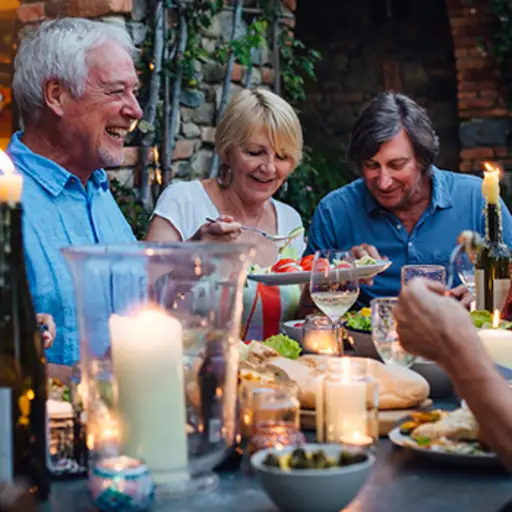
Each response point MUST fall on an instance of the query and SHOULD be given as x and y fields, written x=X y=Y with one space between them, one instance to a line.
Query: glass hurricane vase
x=158 y=328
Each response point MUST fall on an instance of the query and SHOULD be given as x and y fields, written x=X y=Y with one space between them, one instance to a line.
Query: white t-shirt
x=186 y=205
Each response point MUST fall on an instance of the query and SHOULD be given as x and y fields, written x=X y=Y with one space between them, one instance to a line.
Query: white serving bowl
x=439 y=381
x=294 y=332
x=312 y=490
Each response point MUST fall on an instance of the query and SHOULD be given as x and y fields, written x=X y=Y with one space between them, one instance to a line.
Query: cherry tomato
x=321 y=265
x=307 y=262
x=344 y=264
x=286 y=265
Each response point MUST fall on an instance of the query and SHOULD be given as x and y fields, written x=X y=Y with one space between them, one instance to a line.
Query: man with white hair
x=75 y=85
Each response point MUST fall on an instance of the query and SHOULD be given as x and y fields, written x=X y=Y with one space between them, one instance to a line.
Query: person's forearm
x=487 y=395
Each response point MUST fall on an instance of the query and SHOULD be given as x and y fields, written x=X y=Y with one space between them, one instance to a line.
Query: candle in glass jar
x=358 y=439
x=11 y=182
x=147 y=353
x=345 y=404
x=321 y=341
x=121 y=480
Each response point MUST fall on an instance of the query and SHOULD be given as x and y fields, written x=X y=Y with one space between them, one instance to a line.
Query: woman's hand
x=224 y=229
x=430 y=322
x=48 y=329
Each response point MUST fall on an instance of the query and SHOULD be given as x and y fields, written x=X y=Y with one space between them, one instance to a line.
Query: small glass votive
x=320 y=336
x=275 y=419
x=121 y=484
x=347 y=405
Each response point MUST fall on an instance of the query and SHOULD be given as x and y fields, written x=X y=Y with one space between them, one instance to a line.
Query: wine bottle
x=492 y=277
x=23 y=425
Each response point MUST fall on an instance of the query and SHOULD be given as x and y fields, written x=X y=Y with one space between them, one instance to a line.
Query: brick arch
x=481 y=103
x=483 y=113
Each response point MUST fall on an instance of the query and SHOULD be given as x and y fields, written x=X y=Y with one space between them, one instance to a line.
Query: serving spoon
x=264 y=234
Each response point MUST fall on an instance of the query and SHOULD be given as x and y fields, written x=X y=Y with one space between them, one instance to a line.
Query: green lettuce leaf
x=284 y=345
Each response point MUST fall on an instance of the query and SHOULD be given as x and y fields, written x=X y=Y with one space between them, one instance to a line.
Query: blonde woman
x=259 y=141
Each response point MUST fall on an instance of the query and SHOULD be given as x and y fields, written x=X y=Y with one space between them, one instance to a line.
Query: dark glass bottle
x=23 y=424
x=492 y=278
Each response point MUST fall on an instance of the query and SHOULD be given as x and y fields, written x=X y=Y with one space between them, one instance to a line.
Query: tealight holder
x=275 y=418
x=319 y=336
x=121 y=484
x=347 y=404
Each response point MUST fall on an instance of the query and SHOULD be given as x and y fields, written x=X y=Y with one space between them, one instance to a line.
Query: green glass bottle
x=492 y=276
x=23 y=423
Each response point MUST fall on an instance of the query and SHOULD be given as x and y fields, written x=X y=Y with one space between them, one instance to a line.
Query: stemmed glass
x=334 y=285
x=384 y=334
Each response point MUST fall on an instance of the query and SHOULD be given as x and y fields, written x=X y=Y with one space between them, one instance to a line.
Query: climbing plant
x=500 y=42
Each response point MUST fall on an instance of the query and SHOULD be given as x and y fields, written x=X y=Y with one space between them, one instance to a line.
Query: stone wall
x=368 y=49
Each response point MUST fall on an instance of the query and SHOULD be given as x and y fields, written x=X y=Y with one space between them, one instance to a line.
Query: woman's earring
x=284 y=187
x=225 y=177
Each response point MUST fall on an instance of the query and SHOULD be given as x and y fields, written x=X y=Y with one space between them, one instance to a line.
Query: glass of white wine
x=334 y=285
x=384 y=335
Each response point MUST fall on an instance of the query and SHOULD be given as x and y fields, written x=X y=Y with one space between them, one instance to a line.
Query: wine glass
x=334 y=285
x=384 y=334
x=465 y=269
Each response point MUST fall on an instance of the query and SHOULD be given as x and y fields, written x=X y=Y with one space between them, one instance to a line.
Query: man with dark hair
x=403 y=207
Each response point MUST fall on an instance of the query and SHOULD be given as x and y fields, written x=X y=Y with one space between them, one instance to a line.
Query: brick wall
x=484 y=117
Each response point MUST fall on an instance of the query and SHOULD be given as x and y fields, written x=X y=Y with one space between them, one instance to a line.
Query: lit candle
x=121 y=480
x=491 y=184
x=498 y=343
x=147 y=354
x=11 y=182
x=345 y=404
x=357 y=439
x=320 y=341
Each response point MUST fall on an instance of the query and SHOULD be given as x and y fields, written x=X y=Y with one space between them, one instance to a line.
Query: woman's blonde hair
x=253 y=109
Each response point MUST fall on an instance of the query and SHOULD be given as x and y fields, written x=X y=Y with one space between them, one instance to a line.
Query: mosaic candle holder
x=121 y=484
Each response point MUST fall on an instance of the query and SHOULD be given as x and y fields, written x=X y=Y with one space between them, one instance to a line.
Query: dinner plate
x=483 y=459
x=287 y=278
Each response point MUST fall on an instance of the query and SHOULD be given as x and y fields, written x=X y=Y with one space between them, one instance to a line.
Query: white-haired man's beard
x=110 y=158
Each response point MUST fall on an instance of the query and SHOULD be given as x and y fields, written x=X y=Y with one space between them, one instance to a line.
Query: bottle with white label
x=22 y=366
x=492 y=277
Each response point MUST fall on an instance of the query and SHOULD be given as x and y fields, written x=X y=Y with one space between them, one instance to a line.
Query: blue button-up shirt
x=351 y=216
x=58 y=212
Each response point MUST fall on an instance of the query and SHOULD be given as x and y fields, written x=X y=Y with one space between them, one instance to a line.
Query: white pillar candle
x=11 y=183
x=498 y=344
x=147 y=353
x=345 y=405
x=491 y=184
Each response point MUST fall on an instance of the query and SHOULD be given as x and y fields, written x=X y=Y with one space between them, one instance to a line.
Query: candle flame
x=489 y=167
x=496 y=319
x=133 y=125
x=6 y=164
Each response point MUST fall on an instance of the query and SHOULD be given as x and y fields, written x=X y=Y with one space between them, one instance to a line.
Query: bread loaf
x=399 y=387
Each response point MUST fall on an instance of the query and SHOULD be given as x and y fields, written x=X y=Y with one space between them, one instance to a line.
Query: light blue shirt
x=58 y=212
x=351 y=216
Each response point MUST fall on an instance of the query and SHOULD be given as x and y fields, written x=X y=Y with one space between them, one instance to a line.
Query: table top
x=400 y=481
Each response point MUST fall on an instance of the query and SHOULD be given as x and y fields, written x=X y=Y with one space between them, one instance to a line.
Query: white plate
x=399 y=439
x=287 y=278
